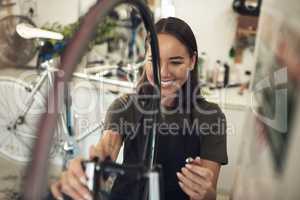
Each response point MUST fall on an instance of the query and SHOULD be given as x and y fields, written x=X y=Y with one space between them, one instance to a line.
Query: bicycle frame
x=68 y=142
x=70 y=146
x=46 y=74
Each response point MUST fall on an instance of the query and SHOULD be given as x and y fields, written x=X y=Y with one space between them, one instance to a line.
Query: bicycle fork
x=70 y=145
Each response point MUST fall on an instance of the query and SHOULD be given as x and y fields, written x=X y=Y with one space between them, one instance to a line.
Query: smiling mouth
x=167 y=83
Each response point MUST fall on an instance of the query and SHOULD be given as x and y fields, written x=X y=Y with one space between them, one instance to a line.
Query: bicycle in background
x=24 y=103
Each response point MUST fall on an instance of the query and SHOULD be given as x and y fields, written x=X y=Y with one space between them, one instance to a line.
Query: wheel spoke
x=20 y=133
x=7 y=89
x=16 y=144
x=4 y=107
x=3 y=117
x=5 y=146
x=4 y=136
x=10 y=109
x=22 y=144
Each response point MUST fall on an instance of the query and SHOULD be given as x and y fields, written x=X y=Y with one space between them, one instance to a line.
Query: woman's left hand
x=197 y=181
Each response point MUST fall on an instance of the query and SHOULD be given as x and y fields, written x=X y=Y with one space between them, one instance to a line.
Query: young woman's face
x=175 y=63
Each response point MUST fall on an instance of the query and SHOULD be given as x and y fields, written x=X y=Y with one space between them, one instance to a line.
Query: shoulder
x=119 y=111
x=207 y=110
x=121 y=103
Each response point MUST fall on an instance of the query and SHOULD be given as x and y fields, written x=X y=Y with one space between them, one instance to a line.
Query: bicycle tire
x=17 y=139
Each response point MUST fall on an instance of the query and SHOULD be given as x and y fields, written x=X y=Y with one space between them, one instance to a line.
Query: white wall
x=236 y=119
x=62 y=11
x=213 y=22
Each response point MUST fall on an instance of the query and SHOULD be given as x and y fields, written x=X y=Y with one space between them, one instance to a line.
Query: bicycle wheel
x=18 y=130
x=89 y=105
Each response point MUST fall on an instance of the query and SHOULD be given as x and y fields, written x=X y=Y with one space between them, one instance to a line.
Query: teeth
x=167 y=83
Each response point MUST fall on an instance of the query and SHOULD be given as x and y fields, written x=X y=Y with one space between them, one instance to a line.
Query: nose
x=164 y=71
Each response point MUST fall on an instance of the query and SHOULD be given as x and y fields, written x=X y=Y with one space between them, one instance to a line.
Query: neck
x=168 y=101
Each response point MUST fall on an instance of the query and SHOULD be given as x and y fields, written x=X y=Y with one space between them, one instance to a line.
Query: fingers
x=55 y=190
x=193 y=190
x=67 y=188
x=75 y=167
x=187 y=182
x=197 y=161
x=195 y=178
x=93 y=152
x=73 y=182
x=200 y=171
x=73 y=187
x=192 y=194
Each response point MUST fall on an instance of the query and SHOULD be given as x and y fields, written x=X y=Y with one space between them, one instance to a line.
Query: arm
x=109 y=146
x=199 y=179
x=73 y=181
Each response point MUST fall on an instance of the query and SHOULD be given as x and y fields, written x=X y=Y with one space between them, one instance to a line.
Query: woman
x=192 y=127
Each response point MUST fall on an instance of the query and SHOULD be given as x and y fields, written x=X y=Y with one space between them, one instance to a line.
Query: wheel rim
x=17 y=138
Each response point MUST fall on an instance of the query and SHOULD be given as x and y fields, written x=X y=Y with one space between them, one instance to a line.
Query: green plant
x=104 y=31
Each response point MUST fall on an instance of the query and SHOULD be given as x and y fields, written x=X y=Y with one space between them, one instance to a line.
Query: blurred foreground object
x=35 y=179
x=269 y=158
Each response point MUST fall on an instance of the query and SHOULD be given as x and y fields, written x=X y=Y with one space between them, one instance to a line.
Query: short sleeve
x=214 y=146
x=118 y=115
x=213 y=135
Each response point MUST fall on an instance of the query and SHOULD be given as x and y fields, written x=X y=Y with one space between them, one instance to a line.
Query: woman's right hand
x=73 y=181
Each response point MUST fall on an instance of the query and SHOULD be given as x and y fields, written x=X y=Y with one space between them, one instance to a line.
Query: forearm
x=109 y=145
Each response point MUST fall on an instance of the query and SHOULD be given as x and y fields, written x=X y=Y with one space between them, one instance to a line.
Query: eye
x=176 y=62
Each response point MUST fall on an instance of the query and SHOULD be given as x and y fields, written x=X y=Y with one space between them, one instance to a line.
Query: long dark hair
x=183 y=32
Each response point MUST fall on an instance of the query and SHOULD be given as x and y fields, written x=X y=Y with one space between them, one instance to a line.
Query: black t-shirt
x=181 y=134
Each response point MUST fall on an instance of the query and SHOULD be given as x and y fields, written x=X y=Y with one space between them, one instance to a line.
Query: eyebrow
x=172 y=58
x=176 y=57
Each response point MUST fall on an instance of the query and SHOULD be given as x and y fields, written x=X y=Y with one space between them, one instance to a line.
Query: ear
x=193 y=59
